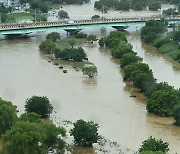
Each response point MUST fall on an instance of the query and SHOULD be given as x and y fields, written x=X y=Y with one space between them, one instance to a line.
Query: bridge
x=77 y=25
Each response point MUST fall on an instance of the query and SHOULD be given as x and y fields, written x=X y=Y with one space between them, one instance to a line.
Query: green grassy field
x=20 y=16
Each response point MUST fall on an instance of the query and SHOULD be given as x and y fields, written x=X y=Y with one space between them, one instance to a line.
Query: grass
x=20 y=16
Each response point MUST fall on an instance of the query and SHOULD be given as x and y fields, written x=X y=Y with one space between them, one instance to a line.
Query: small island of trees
x=77 y=54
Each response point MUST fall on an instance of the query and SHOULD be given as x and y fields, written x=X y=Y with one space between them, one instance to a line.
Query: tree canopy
x=154 y=145
x=54 y=36
x=75 y=54
x=152 y=29
x=47 y=46
x=63 y=14
x=39 y=105
x=90 y=70
x=33 y=138
x=85 y=133
x=8 y=115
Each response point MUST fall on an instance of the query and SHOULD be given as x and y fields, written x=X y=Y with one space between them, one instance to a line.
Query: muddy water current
x=104 y=99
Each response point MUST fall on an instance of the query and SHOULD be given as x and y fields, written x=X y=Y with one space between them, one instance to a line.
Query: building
x=9 y=3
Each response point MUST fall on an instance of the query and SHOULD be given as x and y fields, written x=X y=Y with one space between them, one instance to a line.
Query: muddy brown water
x=104 y=99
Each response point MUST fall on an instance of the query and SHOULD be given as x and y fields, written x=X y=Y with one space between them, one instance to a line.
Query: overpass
x=77 y=25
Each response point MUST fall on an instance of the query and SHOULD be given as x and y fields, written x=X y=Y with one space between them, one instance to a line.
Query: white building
x=8 y=3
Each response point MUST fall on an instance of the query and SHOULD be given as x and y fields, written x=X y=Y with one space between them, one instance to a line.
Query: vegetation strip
x=163 y=99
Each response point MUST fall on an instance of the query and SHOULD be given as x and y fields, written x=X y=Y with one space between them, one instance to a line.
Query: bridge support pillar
x=120 y=28
x=72 y=31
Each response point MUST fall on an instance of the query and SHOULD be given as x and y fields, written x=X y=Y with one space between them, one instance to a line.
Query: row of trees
x=104 y=5
x=29 y=135
x=163 y=99
x=45 y=5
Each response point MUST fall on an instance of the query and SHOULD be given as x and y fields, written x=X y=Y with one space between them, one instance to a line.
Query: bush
x=121 y=49
x=63 y=14
x=39 y=105
x=47 y=46
x=90 y=70
x=81 y=35
x=162 y=102
x=176 y=115
x=154 y=145
x=8 y=115
x=54 y=36
x=75 y=54
x=128 y=59
x=85 y=133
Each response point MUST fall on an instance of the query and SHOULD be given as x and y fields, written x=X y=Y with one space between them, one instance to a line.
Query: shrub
x=154 y=145
x=85 y=133
x=39 y=105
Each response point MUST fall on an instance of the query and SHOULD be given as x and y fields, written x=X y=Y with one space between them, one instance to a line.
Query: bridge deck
x=26 y=28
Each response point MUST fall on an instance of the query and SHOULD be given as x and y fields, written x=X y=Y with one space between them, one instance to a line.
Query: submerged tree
x=154 y=145
x=39 y=105
x=54 y=36
x=90 y=70
x=85 y=133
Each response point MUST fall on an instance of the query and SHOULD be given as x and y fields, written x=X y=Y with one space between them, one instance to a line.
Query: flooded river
x=104 y=99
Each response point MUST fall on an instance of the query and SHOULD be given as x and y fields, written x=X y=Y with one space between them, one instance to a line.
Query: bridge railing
x=81 y=22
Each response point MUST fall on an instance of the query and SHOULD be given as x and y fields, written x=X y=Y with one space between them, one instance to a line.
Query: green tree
x=39 y=105
x=8 y=115
x=54 y=36
x=90 y=70
x=24 y=138
x=158 y=86
x=151 y=152
x=131 y=68
x=33 y=138
x=91 y=38
x=72 y=42
x=85 y=133
x=63 y=14
x=114 y=38
x=141 y=80
x=154 y=5
x=47 y=46
x=121 y=49
x=176 y=115
x=162 y=102
x=128 y=59
x=30 y=117
x=155 y=145
x=152 y=29
x=123 y=5
x=54 y=137
x=101 y=42
x=75 y=54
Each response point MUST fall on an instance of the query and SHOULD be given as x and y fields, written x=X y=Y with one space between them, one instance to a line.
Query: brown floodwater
x=104 y=99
